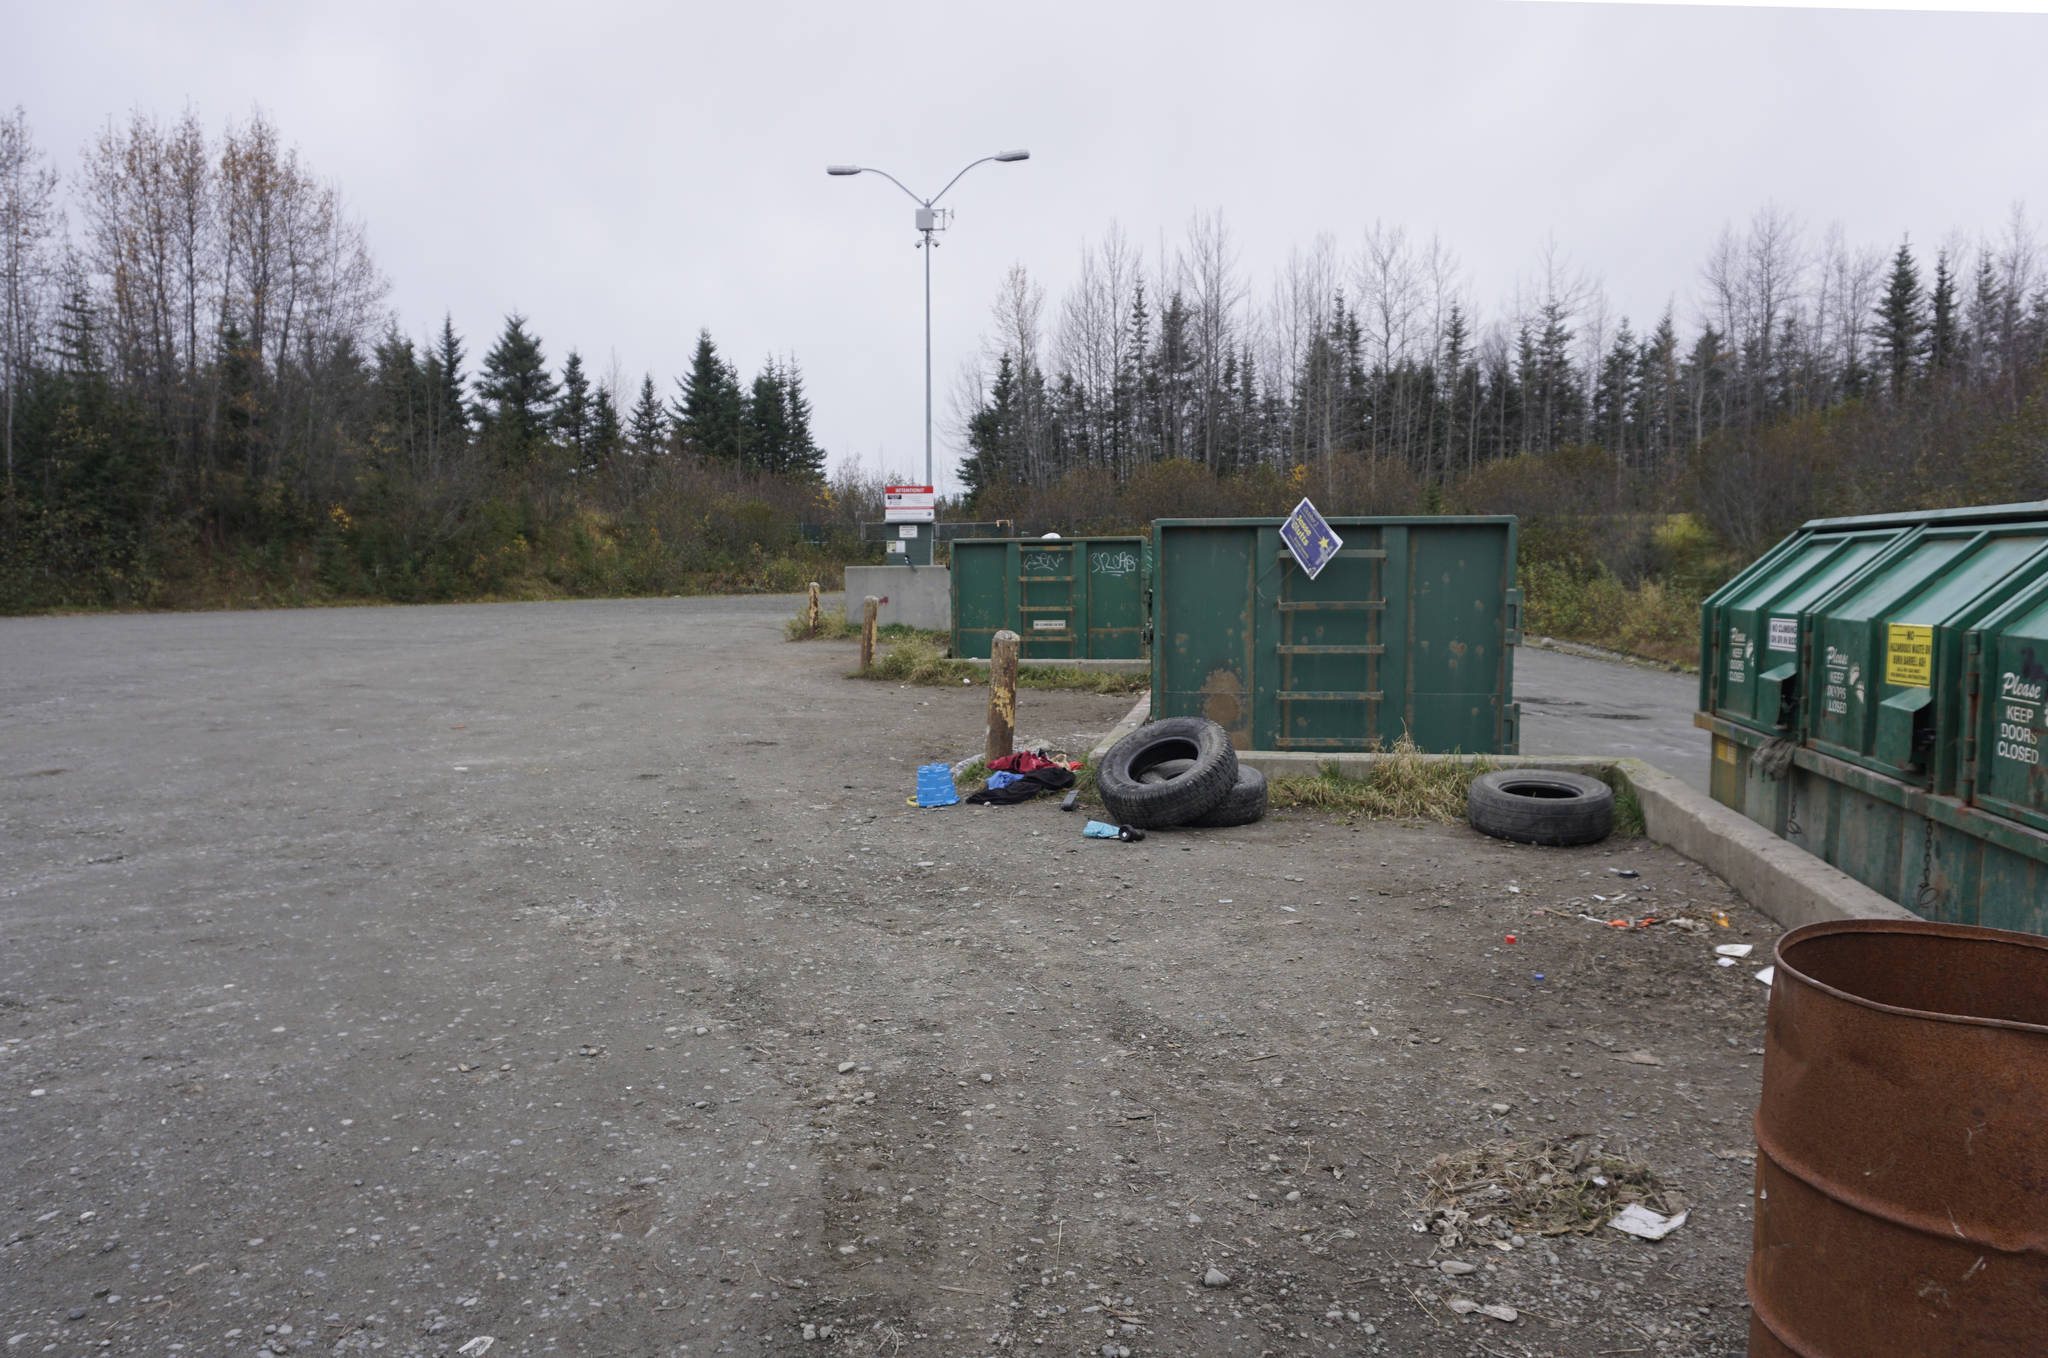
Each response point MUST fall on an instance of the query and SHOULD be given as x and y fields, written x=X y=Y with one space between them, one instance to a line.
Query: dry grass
x=832 y=626
x=1569 y=1187
x=1404 y=784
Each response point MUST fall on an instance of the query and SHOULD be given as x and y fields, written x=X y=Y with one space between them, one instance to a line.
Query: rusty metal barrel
x=1902 y=1145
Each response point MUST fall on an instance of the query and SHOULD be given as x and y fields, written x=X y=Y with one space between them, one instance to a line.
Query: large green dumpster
x=2007 y=680
x=1887 y=647
x=1755 y=624
x=1909 y=762
x=1409 y=630
x=1068 y=598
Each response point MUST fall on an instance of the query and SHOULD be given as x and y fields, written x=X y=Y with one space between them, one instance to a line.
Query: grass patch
x=1404 y=784
x=916 y=659
x=1568 y=1187
x=1087 y=681
x=832 y=626
x=1628 y=811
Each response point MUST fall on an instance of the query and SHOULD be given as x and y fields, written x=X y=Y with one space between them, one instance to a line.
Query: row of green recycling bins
x=1877 y=688
x=1407 y=631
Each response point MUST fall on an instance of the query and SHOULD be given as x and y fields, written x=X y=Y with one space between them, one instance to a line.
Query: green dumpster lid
x=2028 y=509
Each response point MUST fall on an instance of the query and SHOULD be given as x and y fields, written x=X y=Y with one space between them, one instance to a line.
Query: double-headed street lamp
x=928 y=221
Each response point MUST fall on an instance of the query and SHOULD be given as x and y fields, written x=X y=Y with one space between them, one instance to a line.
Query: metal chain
x=1927 y=896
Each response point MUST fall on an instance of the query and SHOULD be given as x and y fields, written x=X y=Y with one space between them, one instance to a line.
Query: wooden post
x=1002 y=694
x=811 y=614
x=868 y=608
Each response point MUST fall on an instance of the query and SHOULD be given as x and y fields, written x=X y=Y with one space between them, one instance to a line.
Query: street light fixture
x=929 y=219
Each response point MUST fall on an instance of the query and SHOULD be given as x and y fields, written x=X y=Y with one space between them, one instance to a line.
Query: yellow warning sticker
x=1909 y=655
x=1724 y=750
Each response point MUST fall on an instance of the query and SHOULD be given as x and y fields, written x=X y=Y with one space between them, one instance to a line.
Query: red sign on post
x=909 y=504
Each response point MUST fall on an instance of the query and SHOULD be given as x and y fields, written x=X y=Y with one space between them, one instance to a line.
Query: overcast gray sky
x=626 y=174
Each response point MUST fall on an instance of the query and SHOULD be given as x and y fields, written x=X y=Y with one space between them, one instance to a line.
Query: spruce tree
x=992 y=437
x=573 y=413
x=804 y=459
x=1942 y=340
x=605 y=434
x=449 y=420
x=517 y=394
x=766 y=442
x=711 y=416
x=647 y=428
x=1901 y=320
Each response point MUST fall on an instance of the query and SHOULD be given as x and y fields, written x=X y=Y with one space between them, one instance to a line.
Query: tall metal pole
x=928 y=359
x=929 y=208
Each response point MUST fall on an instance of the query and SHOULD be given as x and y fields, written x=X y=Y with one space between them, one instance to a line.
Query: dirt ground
x=576 y=976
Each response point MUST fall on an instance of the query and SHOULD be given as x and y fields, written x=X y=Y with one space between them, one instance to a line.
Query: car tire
x=1245 y=803
x=1200 y=789
x=1538 y=806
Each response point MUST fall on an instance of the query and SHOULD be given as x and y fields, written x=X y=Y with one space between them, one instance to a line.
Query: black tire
x=1162 y=773
x=1537 y=806
x=1159 y=806
x=1245 y=803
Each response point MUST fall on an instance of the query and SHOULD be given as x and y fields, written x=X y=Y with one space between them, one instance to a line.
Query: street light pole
x=928 y=221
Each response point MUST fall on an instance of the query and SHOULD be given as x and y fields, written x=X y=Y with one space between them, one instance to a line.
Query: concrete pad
x=916 y=596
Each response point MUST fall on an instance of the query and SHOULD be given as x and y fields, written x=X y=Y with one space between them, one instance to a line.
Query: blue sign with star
x=1312 y=541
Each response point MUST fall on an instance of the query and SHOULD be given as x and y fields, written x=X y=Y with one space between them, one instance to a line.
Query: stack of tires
x=1179 y=771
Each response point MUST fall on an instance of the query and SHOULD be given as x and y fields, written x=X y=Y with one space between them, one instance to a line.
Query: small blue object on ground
x=935 y=785
x=1001 y=779
x=1095 y=829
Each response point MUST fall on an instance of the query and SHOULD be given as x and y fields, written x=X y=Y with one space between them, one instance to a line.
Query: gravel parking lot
x=575 y=975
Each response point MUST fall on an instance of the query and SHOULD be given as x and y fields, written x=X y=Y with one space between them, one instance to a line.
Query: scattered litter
x=1766 y=974
x=1513 y=889
x=478 y=1347
x=1724 y=961
x=1625 y=872
x=1734 y=949
x=1721 y=918
x=1510 y=938
x=1534 y=1188
x=1070 y=801
x=1639 y=1221
x=1096 y=829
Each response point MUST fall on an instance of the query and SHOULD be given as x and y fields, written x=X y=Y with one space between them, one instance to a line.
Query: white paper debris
x=1766 y=974
x=478 y=1346
x=1735 y=949
x=1724 y=961
x=1639 y=1221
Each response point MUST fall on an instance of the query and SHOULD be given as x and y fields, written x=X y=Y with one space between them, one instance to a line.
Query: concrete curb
x=1777 y=877
x=1052 y=663
x=1136 y=717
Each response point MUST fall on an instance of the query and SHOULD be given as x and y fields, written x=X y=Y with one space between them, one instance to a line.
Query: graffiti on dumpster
x=1046 y=563
x=1113 y=563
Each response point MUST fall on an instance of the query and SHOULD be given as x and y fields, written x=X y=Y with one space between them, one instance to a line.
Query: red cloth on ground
x=1022 y=762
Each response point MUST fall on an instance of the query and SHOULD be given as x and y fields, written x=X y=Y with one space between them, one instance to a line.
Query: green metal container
x=1756 y=624
x=1409 y=630
x=1913 y=763
x=1886 y=650
x=2008 y=688
x=1067 y=598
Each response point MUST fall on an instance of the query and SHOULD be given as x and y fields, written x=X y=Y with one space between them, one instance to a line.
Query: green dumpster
x=1887 y=647
x=1068 y=598
x=1910 y=761
x=1756 y=623
x=2008 y=679
x=1409 y=630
